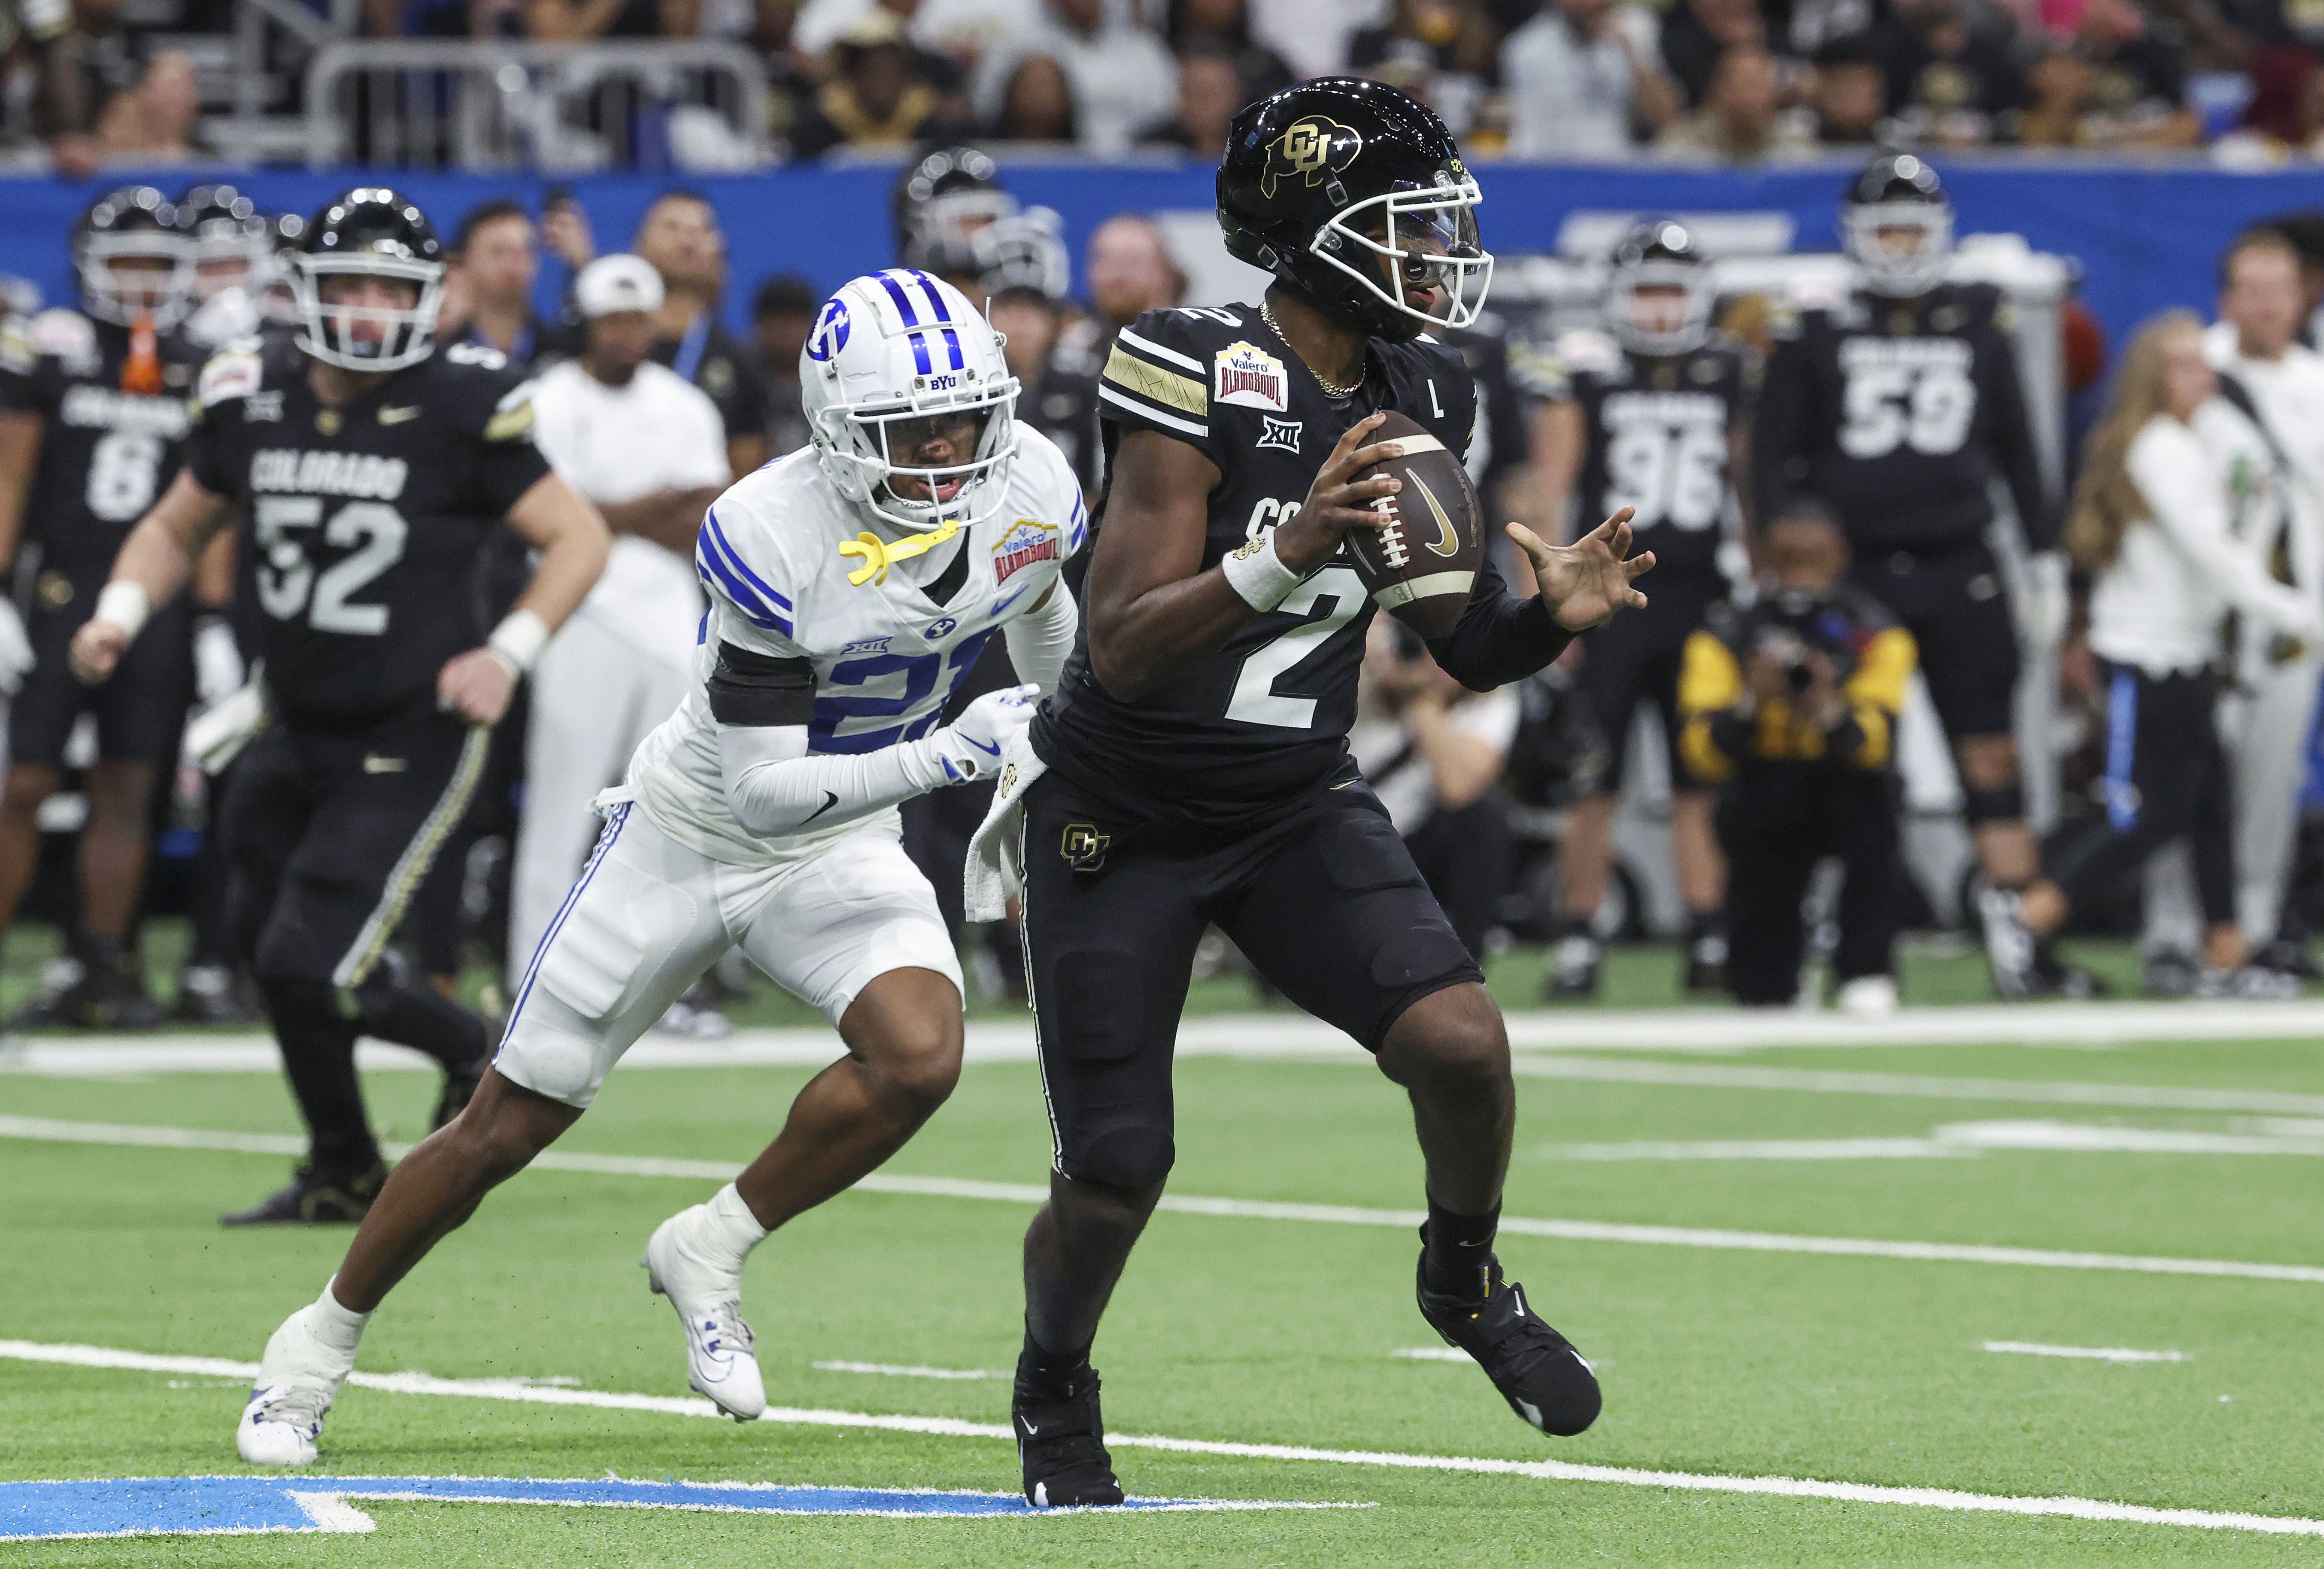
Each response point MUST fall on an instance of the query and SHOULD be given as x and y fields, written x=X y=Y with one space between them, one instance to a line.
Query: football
x=1420 y=566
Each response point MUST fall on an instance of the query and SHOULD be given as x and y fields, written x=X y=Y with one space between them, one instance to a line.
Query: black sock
x=318 y=1058
x=1046 y=1375
x=413 y=1014
x=1457 y=1251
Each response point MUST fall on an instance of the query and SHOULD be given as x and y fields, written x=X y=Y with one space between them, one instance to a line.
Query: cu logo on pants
x=1083 y=847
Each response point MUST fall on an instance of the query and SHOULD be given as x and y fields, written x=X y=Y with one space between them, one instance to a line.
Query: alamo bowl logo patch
x=1250 y=377
x=1314 y=147
x=1025 y=543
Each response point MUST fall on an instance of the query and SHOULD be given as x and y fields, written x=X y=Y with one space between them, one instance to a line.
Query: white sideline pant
x=595 y=694
x=649 y=915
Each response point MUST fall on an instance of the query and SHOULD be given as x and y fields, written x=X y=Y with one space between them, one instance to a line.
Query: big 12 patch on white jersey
x=1250 y=377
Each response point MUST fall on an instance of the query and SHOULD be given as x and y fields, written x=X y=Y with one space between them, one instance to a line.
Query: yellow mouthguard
x=879 y=554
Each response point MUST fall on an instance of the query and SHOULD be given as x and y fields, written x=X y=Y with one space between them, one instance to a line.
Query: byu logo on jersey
x=1282 y=435
x=1250 y=377
x=1313 y=146
x=941 y=627
x=830 y=334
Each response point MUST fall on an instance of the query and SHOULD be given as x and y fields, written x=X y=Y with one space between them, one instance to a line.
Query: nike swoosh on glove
x=970 y=747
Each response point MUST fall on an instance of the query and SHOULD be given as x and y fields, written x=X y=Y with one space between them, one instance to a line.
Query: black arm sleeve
x=1500 y=638
x=760 y=690
x=1779 y=433
x=2012 y=432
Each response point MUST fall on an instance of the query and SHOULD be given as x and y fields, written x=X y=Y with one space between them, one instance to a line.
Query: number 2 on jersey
x=1255 y=699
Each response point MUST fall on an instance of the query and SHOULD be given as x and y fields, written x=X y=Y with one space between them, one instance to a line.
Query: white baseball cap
x=619 y=282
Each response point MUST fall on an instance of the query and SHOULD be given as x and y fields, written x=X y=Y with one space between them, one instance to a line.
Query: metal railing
x=696 y=104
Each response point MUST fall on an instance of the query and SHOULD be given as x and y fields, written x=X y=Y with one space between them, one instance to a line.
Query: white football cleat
x=299 y=1379
x=1868 y=997
x=708 y=1297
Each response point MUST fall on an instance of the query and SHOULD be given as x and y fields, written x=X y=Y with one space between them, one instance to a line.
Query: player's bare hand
x=1338 y=501
x=476 y=686
x=96 y=651
x=1588 y=581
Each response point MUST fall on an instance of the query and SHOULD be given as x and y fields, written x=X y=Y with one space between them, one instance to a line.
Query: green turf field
x=1257 y=1328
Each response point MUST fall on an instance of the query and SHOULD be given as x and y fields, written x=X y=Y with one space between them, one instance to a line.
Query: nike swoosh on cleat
x=830 y=799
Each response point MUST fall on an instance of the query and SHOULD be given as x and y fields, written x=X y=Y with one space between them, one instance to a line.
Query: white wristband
x=519 y=640
x=124 y=603
x=1257 y=574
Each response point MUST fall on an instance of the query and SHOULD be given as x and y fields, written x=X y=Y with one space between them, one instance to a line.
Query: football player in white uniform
x=852 y=586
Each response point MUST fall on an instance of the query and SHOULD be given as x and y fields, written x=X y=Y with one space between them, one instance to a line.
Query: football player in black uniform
x=370 y=469
x=1649 y=415
x=1897 y=410
x=1195 y=751
x=92 y=416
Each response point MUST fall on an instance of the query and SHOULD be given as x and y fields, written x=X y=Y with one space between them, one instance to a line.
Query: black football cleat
x=1573 y=965
x=315 y=1198
x=1536 y=1370
x=214 y=994
x=1705 y=970
x=1062 y=1444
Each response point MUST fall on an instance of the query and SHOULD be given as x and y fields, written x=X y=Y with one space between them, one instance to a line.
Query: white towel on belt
x=996 y=868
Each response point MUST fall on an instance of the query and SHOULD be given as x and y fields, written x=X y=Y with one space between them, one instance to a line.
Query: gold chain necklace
x=1331 y=388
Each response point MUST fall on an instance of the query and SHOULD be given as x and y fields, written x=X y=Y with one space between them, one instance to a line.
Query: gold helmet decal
x=1312 y=148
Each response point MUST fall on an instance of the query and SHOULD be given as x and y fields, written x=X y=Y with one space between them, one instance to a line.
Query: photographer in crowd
x=1790 y=705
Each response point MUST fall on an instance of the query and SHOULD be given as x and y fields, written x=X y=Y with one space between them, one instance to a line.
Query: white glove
x=219 y=671
x=2043 y=609
x=15 y=649
x=970 y=747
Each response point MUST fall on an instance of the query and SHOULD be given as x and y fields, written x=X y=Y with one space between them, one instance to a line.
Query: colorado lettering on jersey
x=1024 y=544
x=1665 y=408
x=1906 y=354
x=102 y=408
x=347 y=474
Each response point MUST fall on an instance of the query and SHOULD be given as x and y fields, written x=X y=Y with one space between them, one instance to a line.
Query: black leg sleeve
x=1862 y=827
x=317 y=1038
x=393 y=1006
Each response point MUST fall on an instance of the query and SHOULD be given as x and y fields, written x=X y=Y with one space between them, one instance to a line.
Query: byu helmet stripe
x=911 y=318
x=935 y=300
x=951 y=342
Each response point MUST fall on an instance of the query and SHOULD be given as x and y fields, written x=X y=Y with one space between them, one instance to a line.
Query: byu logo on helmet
x=830 y=334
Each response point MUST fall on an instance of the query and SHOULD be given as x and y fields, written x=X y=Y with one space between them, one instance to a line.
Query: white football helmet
x=891 y=351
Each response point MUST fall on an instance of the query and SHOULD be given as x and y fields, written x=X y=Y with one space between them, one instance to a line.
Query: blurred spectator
x=1059 y=403
x=959 y=30
x=1740 y=120
x=1313 y=35
x=781 y=316
x=1949 y=82
x=1579 y=77
x=488 y=292
x=2305 y=230
x=1432 y=752
x=154 y=121
x=1803 y=27
x=1038 y=104
x=1442 y=51
x=63 y=101
x=680 y=238
x=1848 y=93
x=1210 y=90
x=881 y=94
x=1131 y=272
x=1696 y=35
x=1193 y=23
x=1123 y=79
x=581 y=21
x=2116 y=86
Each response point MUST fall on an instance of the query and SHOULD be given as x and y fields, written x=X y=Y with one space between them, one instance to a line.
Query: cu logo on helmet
x=830 y=334
x=1311 y=147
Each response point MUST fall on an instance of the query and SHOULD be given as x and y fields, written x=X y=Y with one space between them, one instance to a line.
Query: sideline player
x=852 y=586
x=1197 y=767
x=1897 y=410
x=370 y=468
x=92 y=416
x=1651 y=417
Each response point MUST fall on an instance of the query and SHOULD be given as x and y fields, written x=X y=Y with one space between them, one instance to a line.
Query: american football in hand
x=1421 y=565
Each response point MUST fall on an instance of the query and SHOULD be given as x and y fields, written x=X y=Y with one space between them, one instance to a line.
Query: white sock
x=730 y=1228
x=339 y=1328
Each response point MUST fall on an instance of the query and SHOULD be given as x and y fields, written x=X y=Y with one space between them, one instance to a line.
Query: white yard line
x=1915 y=1086
x=2098 y=1509
x=2096 y=1353
x=44 y=1130
x=1958 y=1140
x=892 y=1371
x=1433 y=1353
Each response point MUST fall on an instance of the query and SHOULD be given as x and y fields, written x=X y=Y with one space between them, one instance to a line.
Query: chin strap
x=880 y=554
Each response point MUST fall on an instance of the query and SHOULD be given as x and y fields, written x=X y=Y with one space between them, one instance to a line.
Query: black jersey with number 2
x=363 y=520
x=1243 y=735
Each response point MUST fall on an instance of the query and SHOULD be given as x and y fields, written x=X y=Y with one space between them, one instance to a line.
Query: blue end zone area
x=244 y=1505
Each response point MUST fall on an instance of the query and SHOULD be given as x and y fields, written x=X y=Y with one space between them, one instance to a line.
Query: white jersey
x=886 y=655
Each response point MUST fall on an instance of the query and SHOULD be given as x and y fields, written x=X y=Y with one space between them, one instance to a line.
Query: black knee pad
x=1130 y=1154
x=2002 y=805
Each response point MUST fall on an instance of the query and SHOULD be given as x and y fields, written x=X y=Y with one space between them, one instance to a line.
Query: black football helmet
x=134 y=226
x=371 y=232
x=233 y=242
x=1897 y=223
x=939 y=203
x=1659 y=295
x=1354 y=194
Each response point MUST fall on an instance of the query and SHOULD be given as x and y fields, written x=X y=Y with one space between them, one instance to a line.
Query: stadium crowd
x=1730 y=81
x=1810 y=562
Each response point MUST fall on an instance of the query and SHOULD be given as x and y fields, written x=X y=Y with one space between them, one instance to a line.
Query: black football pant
x=1464 y=856
x=1775 y=821
x=2166 y=779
